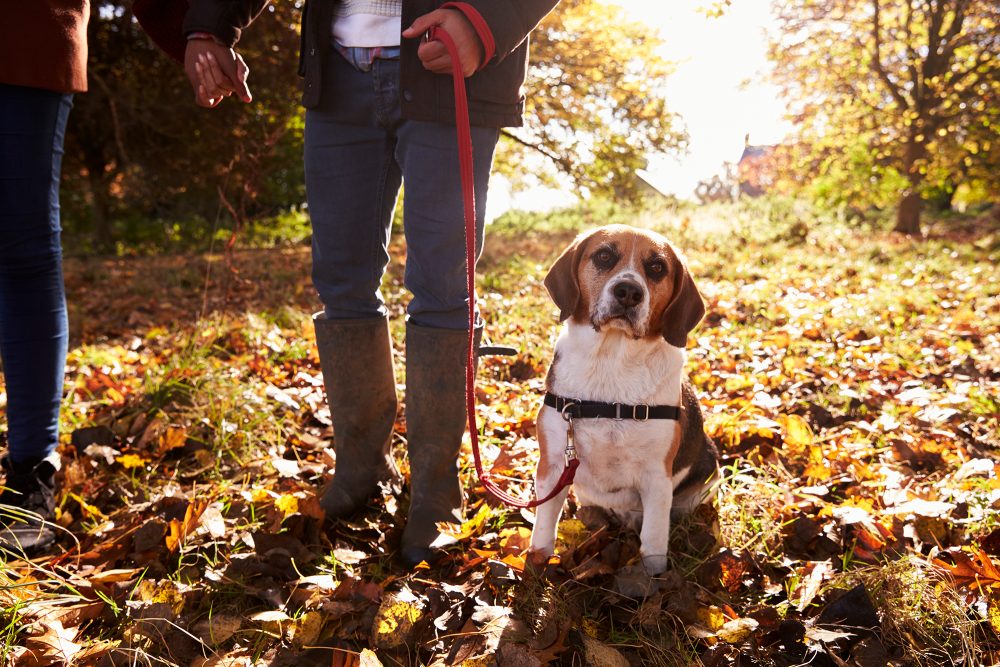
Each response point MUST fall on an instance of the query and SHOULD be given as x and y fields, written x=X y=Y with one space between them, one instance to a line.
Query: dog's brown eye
x=656 y=270
x=605 y=258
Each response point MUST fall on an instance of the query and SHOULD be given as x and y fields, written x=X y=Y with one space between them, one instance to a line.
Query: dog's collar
x=578 y=409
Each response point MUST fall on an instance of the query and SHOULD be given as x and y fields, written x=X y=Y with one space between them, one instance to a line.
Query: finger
x=208 y=79
x=242 y=72
x=422 y=23
x=223 y=81
x=429 y=51
x=202 y=98
x=202 y=76
x=440 y=65
x=215 y=83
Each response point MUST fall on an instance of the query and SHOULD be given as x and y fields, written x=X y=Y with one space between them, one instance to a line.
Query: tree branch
x=894 y=90
x=564 y=164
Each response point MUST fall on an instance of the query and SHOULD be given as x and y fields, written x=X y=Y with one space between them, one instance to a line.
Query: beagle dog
x=617 y=398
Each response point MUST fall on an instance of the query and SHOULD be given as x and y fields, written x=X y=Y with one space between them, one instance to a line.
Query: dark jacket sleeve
x=510 y=21
x=225 y=19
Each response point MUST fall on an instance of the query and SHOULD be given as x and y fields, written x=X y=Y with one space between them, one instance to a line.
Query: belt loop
x=635 y=411
x=618 y=412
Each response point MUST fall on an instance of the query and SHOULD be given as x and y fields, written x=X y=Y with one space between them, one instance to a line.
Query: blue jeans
x=358 y=150
x=33 y=326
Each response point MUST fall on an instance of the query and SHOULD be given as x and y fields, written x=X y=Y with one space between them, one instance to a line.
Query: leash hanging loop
x=463 y=131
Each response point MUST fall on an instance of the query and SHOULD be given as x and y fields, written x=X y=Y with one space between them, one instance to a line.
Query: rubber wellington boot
x=27 y=505
x=356 y=357
x=435 y=423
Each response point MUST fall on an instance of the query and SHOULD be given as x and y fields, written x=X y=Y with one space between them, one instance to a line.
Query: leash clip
x=570 y=453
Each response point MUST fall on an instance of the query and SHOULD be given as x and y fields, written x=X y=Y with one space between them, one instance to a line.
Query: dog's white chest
x=617 y=458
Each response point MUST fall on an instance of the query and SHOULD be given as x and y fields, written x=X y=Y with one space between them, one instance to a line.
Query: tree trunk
x=908 y=214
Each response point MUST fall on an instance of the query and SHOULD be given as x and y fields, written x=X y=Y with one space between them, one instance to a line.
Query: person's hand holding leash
x=434 y=55
x=215 y=72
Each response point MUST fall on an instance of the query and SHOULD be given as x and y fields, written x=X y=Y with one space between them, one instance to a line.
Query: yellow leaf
x=162 y=591
x=711 y=617
x=798 y=435
x=993 y=611
x=572 y=532
x=287 y=503
x=174 y=438
x=473 y=526
x=394 y=621
x=260 y=495
x=129 y=461
x=88 y=509
x=306 y=630
x=737 y=630
x=735 y=383
x=818 y=471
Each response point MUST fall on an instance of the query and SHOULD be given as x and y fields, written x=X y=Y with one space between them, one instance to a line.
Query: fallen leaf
x=174 y=438
x=395 y=619
x=737 y=630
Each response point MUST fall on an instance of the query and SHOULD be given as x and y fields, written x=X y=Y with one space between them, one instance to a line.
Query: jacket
x=43 y=44
x=495 y=96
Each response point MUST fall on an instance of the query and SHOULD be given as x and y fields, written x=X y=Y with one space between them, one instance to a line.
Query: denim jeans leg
x=433 y=218
x=33 y=324
x=352 y=181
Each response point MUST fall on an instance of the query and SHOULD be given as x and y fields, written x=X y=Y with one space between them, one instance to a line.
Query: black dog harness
x=578 y=409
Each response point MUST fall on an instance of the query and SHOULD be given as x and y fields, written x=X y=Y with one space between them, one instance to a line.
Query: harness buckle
x=635 y=413
x=618 y=412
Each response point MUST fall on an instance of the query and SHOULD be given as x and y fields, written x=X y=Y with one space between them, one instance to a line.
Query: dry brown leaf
x=179 y=530
x=978 y=572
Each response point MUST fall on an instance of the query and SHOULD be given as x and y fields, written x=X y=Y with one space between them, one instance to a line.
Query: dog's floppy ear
x=686 y=307
x=563 y=282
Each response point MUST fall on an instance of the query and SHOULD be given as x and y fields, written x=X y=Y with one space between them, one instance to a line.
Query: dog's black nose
x=627 y=293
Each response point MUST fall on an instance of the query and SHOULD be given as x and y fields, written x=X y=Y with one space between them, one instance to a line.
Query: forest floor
x=851 y=378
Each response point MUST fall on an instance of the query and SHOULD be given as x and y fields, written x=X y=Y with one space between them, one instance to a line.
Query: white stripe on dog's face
x=623 y=280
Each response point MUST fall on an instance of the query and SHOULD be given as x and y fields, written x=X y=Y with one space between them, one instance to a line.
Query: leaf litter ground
x=849 y=376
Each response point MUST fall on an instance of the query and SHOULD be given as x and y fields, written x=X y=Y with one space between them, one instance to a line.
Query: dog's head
x=620 y=277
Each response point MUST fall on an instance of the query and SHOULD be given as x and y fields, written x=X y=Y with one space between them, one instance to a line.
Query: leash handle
x=464 y=134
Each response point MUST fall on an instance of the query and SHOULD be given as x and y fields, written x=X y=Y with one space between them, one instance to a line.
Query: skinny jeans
x=33 y=324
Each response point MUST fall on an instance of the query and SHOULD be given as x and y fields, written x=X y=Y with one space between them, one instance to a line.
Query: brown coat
x=43 y=44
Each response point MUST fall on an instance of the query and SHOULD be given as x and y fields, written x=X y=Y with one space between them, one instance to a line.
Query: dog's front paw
x=655 y=564
x=635 y=582
x=538 y=558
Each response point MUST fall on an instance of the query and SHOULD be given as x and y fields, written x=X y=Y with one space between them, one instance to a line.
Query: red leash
x=464 y=133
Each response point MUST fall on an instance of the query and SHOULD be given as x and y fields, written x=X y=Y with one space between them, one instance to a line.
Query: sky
x=718 y=89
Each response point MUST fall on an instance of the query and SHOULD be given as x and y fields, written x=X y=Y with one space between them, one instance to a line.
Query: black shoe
x=27 y=505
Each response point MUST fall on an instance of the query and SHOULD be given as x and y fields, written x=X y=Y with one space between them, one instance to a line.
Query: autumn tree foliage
x=596 y=104
x=140 y=150
x=892 y=97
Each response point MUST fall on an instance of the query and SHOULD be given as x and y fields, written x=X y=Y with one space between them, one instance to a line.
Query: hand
x=434 y=55
x=215 y=72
